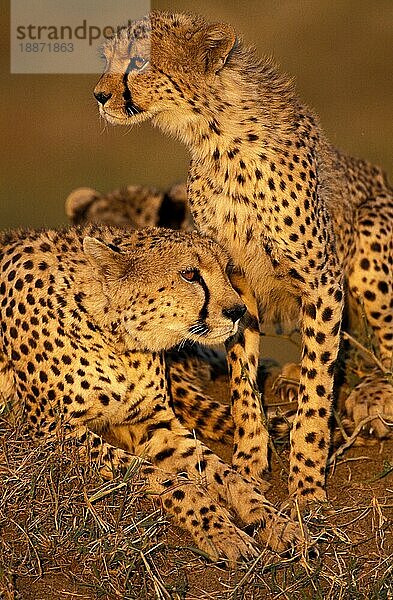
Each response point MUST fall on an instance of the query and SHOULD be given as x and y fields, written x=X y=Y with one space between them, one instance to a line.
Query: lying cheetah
x=85 y=316
x=193 y=368
x=135 y=205
x=301 y=220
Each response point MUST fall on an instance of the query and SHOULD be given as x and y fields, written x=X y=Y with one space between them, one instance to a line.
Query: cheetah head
x=163 y=66
x=163 y=288
x=133 y=206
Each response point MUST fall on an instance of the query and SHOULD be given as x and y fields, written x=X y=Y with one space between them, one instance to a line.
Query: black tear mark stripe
x=126 y=93
x=203 y=314
x=130 y=108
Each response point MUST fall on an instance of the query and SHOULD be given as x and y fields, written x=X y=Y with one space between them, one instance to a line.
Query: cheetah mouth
x=214 y=339
x=221 y=336
x=124 y=117
x=112 y=118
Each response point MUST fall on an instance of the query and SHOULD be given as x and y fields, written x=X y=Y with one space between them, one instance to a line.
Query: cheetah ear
x=111 y=264
x=218 y=40
x=78 y=202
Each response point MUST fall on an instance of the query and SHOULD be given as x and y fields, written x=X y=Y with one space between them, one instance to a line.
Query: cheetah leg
x=370 y=274
x=250 y=449
x=212 y=420
x=195 y=410
x=7 y=385
x=171 y=447
x=321 y=321
x=370 y=285
x=207 y=522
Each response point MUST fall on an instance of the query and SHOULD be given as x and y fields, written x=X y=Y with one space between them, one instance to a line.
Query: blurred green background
x=340 y=52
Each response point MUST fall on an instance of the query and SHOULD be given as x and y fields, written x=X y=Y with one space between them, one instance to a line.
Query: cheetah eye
x=137 y=63
x=103 y=57
x=190 y=275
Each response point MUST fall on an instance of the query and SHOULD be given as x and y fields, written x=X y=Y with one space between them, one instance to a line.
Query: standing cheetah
x=85 y=316
x=302 y=222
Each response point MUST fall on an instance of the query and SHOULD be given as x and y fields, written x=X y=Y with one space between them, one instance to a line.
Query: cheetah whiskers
x=186 y=341
x=104 y=125
x=199 y=329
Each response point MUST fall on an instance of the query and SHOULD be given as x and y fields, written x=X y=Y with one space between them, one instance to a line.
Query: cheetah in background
x=85 y=316
x=136 y=206
x=302 y=222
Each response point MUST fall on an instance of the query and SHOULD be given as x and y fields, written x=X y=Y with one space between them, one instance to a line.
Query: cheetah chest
x=237 y=227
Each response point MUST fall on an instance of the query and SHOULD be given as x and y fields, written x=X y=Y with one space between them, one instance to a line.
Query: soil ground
x=68 y=534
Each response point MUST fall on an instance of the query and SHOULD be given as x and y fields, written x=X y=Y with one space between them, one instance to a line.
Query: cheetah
x=192 y=369
x=135 y=206
x=303 y=222
x=86 y=314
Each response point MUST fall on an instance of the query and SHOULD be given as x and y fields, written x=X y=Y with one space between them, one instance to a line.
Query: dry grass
x=67 y=533
x=58 y=516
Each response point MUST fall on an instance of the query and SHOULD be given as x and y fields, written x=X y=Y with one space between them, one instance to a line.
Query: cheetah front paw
x=226 y=541
x=209 y=523
x=273 y=527
x=282 y=534
x=371 y=402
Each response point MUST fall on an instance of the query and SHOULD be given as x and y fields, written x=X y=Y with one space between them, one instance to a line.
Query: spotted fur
x=193 y=368
x=85 y=316
x=301 y=220
x=136 y=206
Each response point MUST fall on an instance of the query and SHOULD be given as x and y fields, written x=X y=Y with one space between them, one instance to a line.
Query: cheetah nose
x=101 y=97
x=235 y=313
